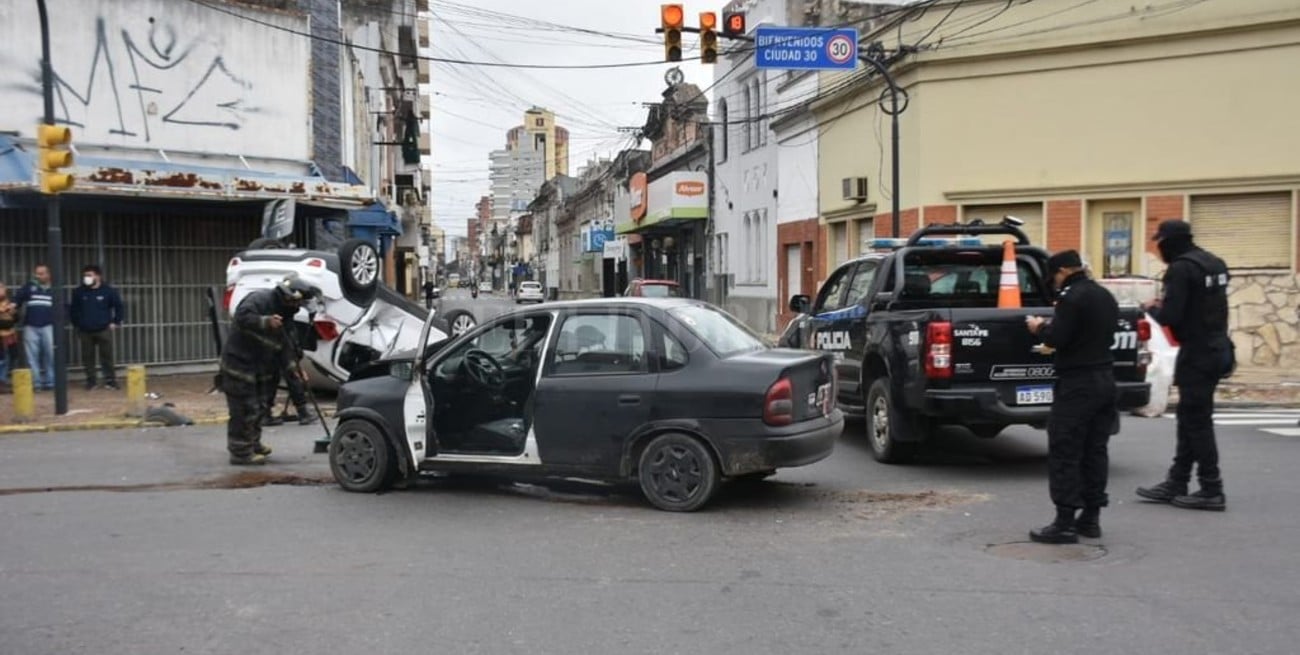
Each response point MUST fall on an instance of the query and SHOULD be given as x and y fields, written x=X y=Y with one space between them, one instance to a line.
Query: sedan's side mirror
x=800 y=303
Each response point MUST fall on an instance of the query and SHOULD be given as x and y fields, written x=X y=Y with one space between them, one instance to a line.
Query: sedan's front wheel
x=677 y=473
x=360 y=457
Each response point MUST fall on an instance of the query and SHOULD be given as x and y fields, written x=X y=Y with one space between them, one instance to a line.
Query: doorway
x=1113 y=237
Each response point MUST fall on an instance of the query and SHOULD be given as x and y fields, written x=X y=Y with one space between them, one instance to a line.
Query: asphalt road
x=846 y=555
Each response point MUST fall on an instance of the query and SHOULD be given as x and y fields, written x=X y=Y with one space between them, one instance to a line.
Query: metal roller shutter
x=1031 y=213
x=1249 y=230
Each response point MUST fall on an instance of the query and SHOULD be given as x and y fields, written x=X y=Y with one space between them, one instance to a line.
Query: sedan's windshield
x=723 y=334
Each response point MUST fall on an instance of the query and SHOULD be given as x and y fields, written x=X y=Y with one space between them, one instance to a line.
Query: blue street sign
x=806 y=48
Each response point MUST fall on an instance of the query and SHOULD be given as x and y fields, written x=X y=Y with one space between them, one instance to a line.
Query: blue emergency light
x=894 y=244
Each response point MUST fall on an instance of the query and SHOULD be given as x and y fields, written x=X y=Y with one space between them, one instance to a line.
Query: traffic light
x=52 y=141
x=708 y=37
x=672 y=17
x=734 y=24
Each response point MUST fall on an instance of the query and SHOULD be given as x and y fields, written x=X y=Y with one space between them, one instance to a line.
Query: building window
x=866 y=233
x=839 y=243
x=1250 y=230
x=722 y=117
x=749 y=118
x=756 y=124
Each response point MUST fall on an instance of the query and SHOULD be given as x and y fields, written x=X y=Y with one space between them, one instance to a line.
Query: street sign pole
x=55 y=231
x=815 y=48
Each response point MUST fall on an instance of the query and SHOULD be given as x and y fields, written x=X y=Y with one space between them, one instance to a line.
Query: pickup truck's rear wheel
x=889 y=431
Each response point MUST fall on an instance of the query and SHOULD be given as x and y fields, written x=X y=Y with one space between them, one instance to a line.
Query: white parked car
x=357 y=319
x=529 y=292
x=485 y=287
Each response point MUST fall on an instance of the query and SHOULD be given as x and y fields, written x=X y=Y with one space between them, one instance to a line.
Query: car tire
x=459 y=322
x=266 y=244
x=891 y=433
x=361 y=459
x=677 y=473
x=359 y=271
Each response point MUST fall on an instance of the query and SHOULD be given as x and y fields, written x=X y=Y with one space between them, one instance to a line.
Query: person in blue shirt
x=96 y=312
x=36 y=300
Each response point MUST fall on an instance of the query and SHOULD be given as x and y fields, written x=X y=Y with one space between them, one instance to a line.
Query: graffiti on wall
x=140 y=79
x=162 y=75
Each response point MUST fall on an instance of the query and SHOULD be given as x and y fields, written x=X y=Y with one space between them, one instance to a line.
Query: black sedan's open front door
x=418 y=408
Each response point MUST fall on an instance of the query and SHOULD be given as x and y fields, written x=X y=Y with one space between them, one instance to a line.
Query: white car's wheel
x=460 y=322
x=359 y=270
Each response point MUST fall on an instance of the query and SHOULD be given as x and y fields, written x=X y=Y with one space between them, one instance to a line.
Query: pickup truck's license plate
x=1037 y=395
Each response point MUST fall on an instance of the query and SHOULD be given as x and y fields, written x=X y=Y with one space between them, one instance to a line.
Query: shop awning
x=155 y=174
x=375 y=217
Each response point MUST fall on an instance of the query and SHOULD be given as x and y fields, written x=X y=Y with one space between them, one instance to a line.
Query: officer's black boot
x=1060 y=531
x=1089 y=523
x=1208 y=497
x=1164 y=492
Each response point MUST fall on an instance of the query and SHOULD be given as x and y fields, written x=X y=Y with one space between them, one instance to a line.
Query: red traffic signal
x=734 y=24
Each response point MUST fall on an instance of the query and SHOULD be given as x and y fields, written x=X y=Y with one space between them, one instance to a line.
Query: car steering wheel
x=485 y=369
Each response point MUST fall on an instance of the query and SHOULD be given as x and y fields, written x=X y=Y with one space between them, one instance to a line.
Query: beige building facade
x=1092 y=124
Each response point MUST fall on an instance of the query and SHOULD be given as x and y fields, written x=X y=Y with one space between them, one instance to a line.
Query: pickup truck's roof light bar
x=894 y=244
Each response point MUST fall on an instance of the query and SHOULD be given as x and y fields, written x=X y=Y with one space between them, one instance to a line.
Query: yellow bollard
x=135 y=391
x=24 y=397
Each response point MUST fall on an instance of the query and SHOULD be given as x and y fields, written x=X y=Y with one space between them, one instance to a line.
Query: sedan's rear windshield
x=723 y=334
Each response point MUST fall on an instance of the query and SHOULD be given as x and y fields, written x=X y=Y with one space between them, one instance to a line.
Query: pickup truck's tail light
x=326 y=330
x=778 y=405
x=938 y=350
x=227 y=295
x=1143 y=351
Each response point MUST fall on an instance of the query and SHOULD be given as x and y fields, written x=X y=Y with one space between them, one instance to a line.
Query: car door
x=597 y=386
x=834 y=314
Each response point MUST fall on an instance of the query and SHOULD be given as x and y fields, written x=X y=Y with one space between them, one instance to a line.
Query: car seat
x=916 y=284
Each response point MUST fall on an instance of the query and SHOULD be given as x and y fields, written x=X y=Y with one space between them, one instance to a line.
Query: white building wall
x=161 y=74
x=746 y=178
x=797 y=144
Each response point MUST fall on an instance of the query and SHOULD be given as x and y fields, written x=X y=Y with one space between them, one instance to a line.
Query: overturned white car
x=357 y=318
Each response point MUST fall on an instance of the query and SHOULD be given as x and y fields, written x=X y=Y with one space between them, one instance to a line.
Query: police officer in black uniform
x=1084 y=413
x=255 y=355
x=1195 y=308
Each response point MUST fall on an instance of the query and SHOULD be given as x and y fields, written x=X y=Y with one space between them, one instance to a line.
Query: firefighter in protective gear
x=1084 y=412
x=1195 y=308
x=255 y=355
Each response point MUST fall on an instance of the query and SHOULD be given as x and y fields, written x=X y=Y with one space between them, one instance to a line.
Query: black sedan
x=672 y=393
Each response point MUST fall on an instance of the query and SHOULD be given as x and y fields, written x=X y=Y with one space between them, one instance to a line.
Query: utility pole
x=55 y=230
x=872 y=57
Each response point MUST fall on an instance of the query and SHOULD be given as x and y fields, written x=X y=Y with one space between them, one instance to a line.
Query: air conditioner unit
x=855 y=188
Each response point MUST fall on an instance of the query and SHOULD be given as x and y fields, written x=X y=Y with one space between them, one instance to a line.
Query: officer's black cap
x=1063 y=259
x=1174 y=227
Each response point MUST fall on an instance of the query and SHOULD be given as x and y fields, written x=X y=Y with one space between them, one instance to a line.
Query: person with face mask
x=255 y=354
x=36 y=300
x=1084 y=412
x=96 y=312
x=1195 y=308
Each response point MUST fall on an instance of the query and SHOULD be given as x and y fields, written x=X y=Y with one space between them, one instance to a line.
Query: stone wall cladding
x=1263 y=320
x=326 y=100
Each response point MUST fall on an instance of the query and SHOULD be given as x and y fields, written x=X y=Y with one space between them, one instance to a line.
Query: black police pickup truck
x=919 y=339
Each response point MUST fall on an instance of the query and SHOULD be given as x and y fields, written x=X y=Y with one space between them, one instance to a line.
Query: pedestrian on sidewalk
x=1084 y=412
x=36 y=300
x=9 y=358
x=428 y=294
x=1195 y=308
x=96 y=312
x=255 y=354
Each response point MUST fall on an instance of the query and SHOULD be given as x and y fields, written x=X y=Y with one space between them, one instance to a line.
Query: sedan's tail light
x=938 y=354
x=778 y=405
x=326 y=330
x=226 y=297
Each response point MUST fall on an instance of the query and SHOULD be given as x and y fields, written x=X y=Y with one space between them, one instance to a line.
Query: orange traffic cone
x=1009 y=287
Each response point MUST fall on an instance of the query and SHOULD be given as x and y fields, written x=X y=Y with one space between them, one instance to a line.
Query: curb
x=108 y=424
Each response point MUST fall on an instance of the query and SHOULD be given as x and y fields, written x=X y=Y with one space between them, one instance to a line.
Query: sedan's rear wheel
x=677 y=473
x=360 y=457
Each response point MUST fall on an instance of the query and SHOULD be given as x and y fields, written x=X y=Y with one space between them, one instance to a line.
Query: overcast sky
x=474 y=106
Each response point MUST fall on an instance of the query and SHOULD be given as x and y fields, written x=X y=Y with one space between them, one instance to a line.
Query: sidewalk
x=104 y=409
x=1255 y=386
